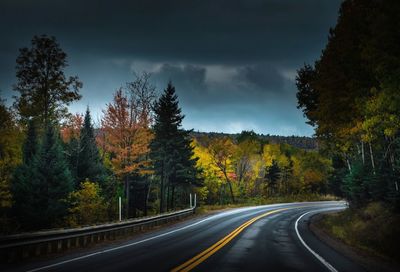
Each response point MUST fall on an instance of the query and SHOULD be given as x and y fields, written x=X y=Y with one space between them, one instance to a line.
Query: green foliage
x=272 y=176
x=43 y=87
x=171 y=150
x=10 y=156
x=89 y=164
x=351 y=95
x=42 y=185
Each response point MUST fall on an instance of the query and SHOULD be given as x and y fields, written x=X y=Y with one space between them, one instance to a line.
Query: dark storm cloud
x=199 y=31
x=231 y=61
x=263 y=76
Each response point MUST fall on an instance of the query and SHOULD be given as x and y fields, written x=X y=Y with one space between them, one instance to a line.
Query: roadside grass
x=256 y=201
x=374 y=229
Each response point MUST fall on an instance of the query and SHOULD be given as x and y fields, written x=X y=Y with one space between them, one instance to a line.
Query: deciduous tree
x=44 y=90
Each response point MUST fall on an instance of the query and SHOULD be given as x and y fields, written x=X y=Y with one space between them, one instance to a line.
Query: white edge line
x=168 y=233
x=135 y=243
x=322 y=260
x=118 y=247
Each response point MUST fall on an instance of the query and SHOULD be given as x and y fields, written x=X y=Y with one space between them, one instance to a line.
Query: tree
x=43 y=184
x=126 y=137
x=171 y=150
x=351 y=96
x=23 y=176
x=44 y=90
x=222 y=151
x=10 y=158
x=272 y=176
x=87 y=205
x=89 y=164
x=247 y=153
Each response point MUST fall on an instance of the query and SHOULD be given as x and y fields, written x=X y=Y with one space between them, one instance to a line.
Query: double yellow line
x=199 y=258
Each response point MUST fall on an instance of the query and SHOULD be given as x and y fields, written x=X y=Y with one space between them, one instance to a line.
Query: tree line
x=58 y=169
x=351 y=96
x=244 y=167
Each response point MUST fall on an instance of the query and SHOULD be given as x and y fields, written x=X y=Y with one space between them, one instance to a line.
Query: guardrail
x=23 y=246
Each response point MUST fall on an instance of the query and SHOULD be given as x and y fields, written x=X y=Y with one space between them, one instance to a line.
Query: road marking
x=165 y=234
x=139 y=242
x=322 y=260
x=199 y=258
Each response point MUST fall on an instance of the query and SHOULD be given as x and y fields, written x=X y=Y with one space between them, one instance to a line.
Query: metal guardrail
x=21 y=246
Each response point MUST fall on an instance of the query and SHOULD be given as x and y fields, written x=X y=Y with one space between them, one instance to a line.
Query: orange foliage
x=125 y=136
x=72 y=128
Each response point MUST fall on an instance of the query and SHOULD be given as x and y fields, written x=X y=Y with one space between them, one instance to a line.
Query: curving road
x=263 y=238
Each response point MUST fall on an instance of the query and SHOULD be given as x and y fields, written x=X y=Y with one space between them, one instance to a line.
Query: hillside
x=303 y=142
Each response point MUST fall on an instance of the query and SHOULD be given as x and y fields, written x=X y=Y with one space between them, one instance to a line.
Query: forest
x=62 y=169
x=351 y=96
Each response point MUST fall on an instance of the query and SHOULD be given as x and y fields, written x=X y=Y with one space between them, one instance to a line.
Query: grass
x=374 y=229
x=264 y=201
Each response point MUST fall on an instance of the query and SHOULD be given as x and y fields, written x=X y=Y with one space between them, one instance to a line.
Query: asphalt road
x=264 y=238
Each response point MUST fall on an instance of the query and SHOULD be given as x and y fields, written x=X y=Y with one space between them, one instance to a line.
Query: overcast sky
x=233 y=62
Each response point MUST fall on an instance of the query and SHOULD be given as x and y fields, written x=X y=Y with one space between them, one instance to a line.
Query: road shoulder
x=369 y=262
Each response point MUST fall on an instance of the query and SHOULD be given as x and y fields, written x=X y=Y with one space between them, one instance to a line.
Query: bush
x=87 y=205
x=373 y=228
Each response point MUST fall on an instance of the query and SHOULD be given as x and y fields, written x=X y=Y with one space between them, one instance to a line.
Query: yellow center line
x=199 y=258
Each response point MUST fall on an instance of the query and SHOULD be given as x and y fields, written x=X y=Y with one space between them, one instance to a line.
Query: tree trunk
x=168 y=199
x=162 y=191
x=348 y=165
x=362 y=152
x=127 y=197
x=173 y=198
x=230 y=187
x=372 y=157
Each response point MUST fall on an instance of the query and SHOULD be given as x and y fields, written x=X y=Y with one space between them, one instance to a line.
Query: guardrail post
x=119 y=209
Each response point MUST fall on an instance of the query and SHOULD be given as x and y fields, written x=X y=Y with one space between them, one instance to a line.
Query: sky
x=233 y=62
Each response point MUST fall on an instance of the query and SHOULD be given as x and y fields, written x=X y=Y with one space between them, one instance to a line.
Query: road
x=263 y=238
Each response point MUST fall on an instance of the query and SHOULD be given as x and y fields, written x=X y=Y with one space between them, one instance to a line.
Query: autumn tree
x=44 y=90
x=247 y=152
x=87 y=206
x=10 y=158
x=222 y=151
x=350 y=95
x=126 y=137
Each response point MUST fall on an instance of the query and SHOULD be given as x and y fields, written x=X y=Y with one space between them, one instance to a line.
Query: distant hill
x=303 y=142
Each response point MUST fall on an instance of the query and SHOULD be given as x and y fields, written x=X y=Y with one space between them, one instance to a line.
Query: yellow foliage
x=87 y=205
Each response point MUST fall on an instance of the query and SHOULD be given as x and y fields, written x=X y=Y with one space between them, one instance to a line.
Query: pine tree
x=42 y=183
x=22 y=186
x=272 y=176
x=53 y=180
x=171 y=151
x=30 y=145
x=90 y=165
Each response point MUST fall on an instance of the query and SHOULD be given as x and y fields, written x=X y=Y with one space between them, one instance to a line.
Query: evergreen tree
x=42 y=184
x=53 y=180
x=90 y=165
x=171 y=151
x=30 y=145
x=272 y=176
x=24 y=174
